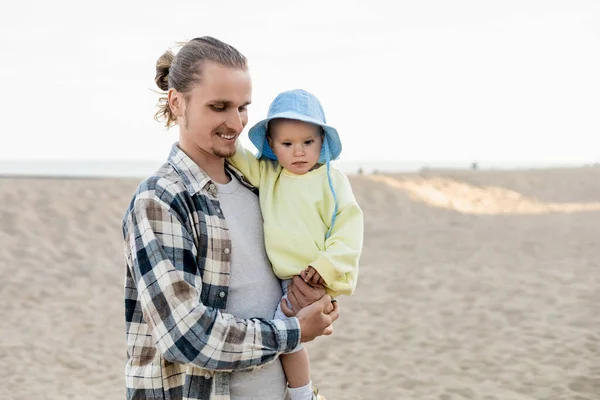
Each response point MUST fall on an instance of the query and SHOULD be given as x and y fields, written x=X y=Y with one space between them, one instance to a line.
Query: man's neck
x=216 y=171
x=212 y=165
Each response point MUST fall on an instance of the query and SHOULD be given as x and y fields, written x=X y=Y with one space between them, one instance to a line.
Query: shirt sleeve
x=164 y=267
x=338 y=263
x=244 y=161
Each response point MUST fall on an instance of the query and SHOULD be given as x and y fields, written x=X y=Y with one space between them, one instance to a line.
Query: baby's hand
x=312 y=277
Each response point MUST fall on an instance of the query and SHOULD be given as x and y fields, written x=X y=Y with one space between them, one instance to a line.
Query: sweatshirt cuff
x=325 y=269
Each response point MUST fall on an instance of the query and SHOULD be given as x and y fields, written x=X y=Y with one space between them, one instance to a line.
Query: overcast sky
x=401 y=80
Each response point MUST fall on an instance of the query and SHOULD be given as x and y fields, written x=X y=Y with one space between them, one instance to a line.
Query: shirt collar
x=194 y=178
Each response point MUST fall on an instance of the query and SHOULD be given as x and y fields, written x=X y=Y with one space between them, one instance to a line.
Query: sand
x=473 y=285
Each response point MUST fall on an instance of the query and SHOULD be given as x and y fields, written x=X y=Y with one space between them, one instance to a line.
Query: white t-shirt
x=254 y=289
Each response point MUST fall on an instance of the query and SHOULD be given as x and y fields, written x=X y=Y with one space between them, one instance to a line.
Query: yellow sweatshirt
x=297 y=211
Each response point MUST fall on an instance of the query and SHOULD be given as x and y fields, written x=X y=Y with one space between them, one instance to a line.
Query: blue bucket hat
x=300 y=105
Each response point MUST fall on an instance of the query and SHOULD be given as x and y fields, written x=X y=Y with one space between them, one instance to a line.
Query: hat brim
x=258 y=136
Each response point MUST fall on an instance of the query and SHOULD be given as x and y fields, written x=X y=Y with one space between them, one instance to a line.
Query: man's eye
x=286 y=144
x=243 y=108
x=309 y=142
x=217 y=108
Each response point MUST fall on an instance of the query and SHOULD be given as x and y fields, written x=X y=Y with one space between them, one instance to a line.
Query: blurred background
x=471 y=137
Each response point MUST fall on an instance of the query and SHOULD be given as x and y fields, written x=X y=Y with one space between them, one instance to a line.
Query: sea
x=141 y=169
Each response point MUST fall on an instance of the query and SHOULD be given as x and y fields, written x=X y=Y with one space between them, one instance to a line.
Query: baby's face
x=296 y=144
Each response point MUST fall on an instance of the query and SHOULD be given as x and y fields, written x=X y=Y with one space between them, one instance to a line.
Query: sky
x=507 y=81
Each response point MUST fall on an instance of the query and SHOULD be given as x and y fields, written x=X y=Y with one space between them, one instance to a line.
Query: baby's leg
x=297 y=372
x=296 y=365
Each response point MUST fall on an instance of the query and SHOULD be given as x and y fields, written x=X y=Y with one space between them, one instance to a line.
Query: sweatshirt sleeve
x=338 y=264
x=244 y=161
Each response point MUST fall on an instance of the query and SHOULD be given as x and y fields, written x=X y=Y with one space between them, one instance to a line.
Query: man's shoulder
x=164 y=187
x=240 y=177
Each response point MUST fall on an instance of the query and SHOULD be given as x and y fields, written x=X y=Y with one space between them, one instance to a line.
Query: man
x=199 y=292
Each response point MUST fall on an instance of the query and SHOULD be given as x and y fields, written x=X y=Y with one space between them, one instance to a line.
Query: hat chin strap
x=327 y=165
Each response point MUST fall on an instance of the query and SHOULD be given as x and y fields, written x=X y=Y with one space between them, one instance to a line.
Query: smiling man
x=200 y=293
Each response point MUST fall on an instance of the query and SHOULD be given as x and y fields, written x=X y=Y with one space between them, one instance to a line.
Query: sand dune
x=474 y=285
x=469 y=199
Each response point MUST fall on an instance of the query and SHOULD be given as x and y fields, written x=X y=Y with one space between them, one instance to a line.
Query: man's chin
x=224 y=153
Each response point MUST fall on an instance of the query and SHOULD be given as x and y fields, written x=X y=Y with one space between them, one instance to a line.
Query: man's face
x=296 y=144
x=214 y=112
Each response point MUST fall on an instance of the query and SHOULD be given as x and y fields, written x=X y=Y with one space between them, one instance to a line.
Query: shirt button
x=207 y=376
x=226 y=250
x=222 y=294
x=211 y=186
x=218 y=211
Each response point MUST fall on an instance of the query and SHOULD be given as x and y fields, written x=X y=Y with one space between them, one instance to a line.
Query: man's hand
x=316 y=319
x=301 y=294
x=312 y=277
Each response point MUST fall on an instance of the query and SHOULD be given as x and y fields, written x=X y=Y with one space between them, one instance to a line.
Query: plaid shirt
x=180 y=342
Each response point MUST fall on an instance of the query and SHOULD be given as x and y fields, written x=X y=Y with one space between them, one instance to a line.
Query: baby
x=312 y=224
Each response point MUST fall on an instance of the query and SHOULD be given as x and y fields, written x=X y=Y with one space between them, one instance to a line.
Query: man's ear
x=176 y=102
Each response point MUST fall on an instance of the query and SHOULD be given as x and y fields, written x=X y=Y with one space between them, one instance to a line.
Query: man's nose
x=235 y=121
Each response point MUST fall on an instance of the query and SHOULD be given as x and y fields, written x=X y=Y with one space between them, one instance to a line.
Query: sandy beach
x=473 y=285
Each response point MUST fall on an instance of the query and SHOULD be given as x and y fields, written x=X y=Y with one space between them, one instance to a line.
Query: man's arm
x=163 y=265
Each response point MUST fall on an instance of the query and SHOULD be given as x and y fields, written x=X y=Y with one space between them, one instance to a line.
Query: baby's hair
x=275 y=121
x=182 y=71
